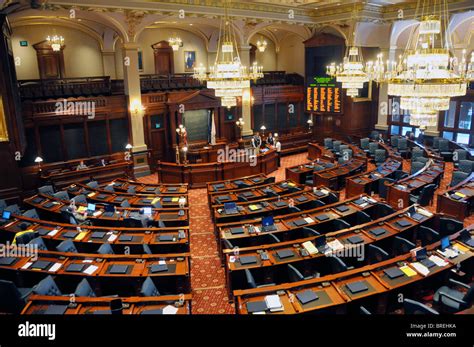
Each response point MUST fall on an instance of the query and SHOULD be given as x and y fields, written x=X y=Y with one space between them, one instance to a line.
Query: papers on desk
x=53 y=232
x=162 y=262
x=170 y=310
x=324 y=191
x=449 y=253
x=424 y=212
x=27 y=265
x=408 y=271
x=460 y=248
x=155 y=200
x=90 y=195
x=334 y=246
x=90 y=270
x=310 y=247
x=80 y=236
x=438 y=261
x=55 y=267
x=420 y=268
x=309 y=220
x=461 y=195
x=274 y=303
x=97 y=213
x=112 y=238
x=82 y=209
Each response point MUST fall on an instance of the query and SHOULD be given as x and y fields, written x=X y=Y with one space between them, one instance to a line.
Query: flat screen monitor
x=147 y=210
x=421 y=254
x=267 y=221
x=445 y=243
x=6 y=215
x=230 y=205
x=91 y=207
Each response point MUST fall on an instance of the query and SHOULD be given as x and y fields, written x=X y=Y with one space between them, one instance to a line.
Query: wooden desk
x=317 y=151
x=299 y=173
x=457 y=201
x=234 y=184
x=398 y=194
x=334 y=178
x=37 y=304
x=197 y=175
x=122 y=185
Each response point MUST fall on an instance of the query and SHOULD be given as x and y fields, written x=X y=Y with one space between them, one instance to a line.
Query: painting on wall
x=3 y=123
x=189 y=61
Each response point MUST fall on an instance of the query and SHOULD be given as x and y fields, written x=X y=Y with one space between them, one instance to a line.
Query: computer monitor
x=91 y=207
x=6 y=214
x=230 y=205
x=267 y=221
x=421 y=254
x=147 y=210
x=445 y=243
x=109 y=208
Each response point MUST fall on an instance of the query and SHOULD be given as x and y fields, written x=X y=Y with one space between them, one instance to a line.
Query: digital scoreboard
x=324 y=95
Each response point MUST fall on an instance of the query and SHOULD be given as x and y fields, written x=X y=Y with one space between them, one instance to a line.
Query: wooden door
x=164 y=59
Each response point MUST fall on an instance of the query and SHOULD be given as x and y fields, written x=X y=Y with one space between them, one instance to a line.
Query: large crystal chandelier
x=351 y=72
x=228 y=76
x=427 y=74
x=175 y=42
x=56 y=42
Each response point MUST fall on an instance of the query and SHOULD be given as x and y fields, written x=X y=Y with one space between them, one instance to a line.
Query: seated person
x=81 y=166
x=380 y=138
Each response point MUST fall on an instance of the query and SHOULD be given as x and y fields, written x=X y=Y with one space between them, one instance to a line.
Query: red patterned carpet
x=207 y=274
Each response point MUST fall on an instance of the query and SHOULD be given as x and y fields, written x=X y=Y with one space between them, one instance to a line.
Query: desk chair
x=68 y=217
x=449 y=226
x=46 y=190
x=338 y=265
x=332 y=198
x=363 y=310
x=416 y=153
x=38 y=241
x=444 y=151
x=93 y=184
x=316 y=204
x=132 y=223
x=125 y=204
x=383 y=186
x=242 y=199
x=364 y=144
x=105 y=248
x=399 y=175
x=384 y=210
x=3 y=204
x=242 y=185
x=31 y=214
x=459 y=154
x=84 y=289
x=294 y=209
x=458 y=177
x=427 y=235
x=373 y=146
x=47 y=286
x=416 y=166
x=309 y=232
x=12 y=298
x=67 y=246
x=454 y=297
x=269 y=180
x=423 y=160
x=376 y=254
x=227 y=244
x=415 y=307
x=294 y=275
x=109 y=188
x=374 y=134
x=380 y=156
x=336 y=146
x=146 y=249
x=328 y=143
x=346 y=153
x=25 y=238
x=273 y=238
x=80 y=199
x=466 y=166
x=309 y=179
x=62 y=195
x=251 y=281
x=131 y=190
x=394 y=141
x=149 y=288
x=436 y=143
x=337 y=224
x=425 y=197
x=401 y=246
x=403 y=147
x=14 y=209
x=362 y=217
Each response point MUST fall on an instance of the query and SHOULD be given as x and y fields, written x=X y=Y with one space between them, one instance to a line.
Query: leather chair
x=454 y=297
x=466 y=166
x=84 y=289
x=383 y=188
x=46 y=190
x=458 y=177
x=415 y=307
x=376 y=254
x=149 y=288
x=380 y=156
x=251 y=283
x=66 y=246
x=416 y=166
x=425 y=197
x=38 y=242
x=48 y=287
x=427 y=235
x=12 y=298
x=401 y=246
x=105 y=248
x=31 y=214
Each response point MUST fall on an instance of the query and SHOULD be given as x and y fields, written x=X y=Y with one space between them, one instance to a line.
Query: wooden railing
x=103 y=85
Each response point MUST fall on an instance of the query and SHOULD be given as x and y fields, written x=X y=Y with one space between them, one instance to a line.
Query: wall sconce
x=136 y=107
x=128 y=148
x=263 y=128
x=185 y=151
x=181 y=131
x=240 y=124
x=310 y=124
x=39 y=160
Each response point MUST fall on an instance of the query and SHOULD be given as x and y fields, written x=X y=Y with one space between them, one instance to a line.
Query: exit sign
x=24 y=43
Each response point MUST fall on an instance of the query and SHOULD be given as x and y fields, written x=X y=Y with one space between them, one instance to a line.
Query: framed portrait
x=3 y=123
x=189 y=61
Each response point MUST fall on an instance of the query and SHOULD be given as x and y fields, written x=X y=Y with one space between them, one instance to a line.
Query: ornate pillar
x=131 y=79
x=108 y=62
x=247 y=96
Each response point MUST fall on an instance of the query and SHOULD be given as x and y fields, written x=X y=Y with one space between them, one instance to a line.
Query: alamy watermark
x=237 y=155
x=75 y=108
x=9 y=250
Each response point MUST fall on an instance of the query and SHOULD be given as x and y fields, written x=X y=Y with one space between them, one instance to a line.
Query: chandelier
x=261 y=45
x=175 y=43
x=427 y=74
x=351 y=72
x=56 y=42
x=228 y=77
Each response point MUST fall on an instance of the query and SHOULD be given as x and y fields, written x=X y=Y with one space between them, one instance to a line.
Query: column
x=108 y=62
x=384 y=109
x=247 y=96
x=131 y=79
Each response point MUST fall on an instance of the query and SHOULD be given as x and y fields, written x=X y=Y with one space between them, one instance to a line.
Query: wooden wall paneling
x=164 y=58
